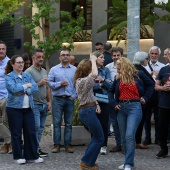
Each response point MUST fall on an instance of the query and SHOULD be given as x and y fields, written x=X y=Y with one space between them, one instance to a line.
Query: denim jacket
x=105 y=74
x=17 y=88
x=144 y=85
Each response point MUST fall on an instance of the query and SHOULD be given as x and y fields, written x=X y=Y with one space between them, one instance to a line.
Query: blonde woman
x=89 y=108
x=129 y=90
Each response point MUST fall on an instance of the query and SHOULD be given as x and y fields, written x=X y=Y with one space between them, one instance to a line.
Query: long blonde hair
x=128 y=71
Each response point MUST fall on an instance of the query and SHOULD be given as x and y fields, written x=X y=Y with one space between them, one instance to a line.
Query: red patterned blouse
x=128 y=91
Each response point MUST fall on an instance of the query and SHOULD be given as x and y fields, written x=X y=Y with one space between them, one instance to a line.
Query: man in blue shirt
x=61 y=81
x=4 y=130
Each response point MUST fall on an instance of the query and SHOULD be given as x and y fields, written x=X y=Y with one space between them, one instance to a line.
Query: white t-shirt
x=113 y=70
x=26 y=103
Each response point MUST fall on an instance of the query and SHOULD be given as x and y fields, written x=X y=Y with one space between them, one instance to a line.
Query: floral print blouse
x=84 y=89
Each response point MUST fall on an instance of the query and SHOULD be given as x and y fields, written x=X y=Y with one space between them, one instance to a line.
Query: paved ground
x=144 y=159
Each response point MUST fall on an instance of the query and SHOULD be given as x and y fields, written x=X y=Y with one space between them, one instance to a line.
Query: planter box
x=80 y=136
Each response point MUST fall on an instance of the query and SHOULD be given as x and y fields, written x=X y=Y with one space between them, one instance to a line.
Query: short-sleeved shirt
x=40 y=97
x=164 y=77
x=84 y=89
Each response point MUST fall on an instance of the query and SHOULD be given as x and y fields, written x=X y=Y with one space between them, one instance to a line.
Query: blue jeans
x=62 y=106
x=114 y=122
x=22 y=120
x=89 y=118
x=40 y=114
x=129 y=118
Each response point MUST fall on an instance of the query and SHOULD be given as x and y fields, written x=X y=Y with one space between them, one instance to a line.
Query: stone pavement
x=144 y=159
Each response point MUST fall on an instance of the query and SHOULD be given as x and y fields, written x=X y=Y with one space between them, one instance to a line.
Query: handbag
x=103 y=98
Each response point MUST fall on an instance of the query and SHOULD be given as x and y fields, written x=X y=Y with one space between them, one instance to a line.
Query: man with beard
x=42 y=98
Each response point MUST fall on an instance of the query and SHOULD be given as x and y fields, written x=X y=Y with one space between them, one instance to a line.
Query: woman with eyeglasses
x=20 y=87
x=130 y=88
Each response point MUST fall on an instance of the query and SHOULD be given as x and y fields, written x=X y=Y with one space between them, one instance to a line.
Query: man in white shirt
x=153 y=68
x=116 y=53
x=154 y=54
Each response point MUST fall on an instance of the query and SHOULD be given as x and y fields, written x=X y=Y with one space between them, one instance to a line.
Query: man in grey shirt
x=42 y=98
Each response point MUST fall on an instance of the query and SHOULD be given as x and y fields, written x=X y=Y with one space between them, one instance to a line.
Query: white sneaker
x=128 y=168
x=121 y=166
x=20 y=161
x=39 y=160
x=103 y=150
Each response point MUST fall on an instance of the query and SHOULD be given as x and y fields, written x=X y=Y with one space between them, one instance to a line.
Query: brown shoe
x=69 y=149
x=141 y=146
x=116 y=149
x=56 y=149
x=10 y=149
x=83 y=166
x=4 y=148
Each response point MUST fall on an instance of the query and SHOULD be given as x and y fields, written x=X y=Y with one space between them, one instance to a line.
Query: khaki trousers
x=4 y=127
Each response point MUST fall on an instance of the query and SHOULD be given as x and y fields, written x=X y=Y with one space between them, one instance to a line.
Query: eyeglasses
x=65 y=55
x=21 y=62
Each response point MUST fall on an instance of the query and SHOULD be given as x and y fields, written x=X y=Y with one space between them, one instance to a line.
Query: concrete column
x=53 y=60
x=56 y=25
x=133 y=27
x=161 y=32
x=19 y=32
x=99 y=18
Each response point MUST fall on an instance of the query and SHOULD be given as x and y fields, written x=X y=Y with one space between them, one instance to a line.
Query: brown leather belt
x=88 y=105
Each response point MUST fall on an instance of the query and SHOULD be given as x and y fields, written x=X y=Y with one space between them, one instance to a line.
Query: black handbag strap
x=150 y=66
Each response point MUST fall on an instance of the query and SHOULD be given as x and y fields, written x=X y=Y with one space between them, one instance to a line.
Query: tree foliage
x=47 y=14
x=7 y=7
x=164 y=7
x=117 y=22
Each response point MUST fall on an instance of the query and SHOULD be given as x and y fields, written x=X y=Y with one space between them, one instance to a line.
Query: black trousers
x=104 y=118
x=164 y=120
x=141 y=125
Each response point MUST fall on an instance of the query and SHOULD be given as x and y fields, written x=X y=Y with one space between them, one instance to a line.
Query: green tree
x=117 y=22
x=46 y=14
x=7 y=7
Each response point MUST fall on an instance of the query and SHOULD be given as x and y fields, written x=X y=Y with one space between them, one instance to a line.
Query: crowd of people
x=112 y=91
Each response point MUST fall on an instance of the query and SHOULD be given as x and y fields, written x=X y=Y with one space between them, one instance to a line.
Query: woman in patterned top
x=84 y=79
x=129 y=90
